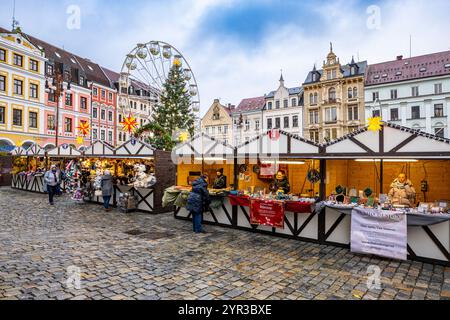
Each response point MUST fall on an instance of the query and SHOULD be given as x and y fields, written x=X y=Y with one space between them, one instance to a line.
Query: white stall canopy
x=391 y=142
x=134 y=149
x=278 y=143
x=64 y=150
x=204 y=148
x=99 y=149
x=19 y=152
x=35 y=151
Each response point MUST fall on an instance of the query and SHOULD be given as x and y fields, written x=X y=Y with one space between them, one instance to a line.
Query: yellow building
x=22 y=90
x=217 y=122
x=334 y=99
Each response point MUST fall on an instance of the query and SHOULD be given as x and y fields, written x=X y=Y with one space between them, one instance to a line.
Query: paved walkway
x=42 y=247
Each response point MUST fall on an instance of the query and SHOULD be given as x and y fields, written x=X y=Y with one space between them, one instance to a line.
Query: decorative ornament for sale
x=274 y=134
x=83 y=128
x=129 y=123
x=375 y=124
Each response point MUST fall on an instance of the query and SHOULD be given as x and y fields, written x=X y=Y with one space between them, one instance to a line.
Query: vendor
x=221 y=181
x=402 y=191
x=280 y=183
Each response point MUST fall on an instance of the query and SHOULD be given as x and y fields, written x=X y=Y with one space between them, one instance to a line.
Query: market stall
x=28 y=169
x=394 y=174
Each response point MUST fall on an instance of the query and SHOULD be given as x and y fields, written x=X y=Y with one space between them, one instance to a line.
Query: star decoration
x=80 y=140
x=83 y=128
x=375 y=124
x=177 y=62
x=184 y=136
x=129 y=123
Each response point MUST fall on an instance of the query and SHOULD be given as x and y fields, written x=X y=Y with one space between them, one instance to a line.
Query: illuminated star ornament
x=129 y=124
x=374 y=124
x=184 y=136
x=83 y=128
x=177 y=62
x=80 y=140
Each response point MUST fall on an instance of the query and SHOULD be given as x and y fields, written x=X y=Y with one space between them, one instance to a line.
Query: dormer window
x=376 y=77
x=352 y=71
x=216 y=113
x=385 y=75
x=423 y=69
x=398 y=73
x=447 y=66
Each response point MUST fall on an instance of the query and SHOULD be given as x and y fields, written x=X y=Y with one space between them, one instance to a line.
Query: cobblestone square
x=43 y=245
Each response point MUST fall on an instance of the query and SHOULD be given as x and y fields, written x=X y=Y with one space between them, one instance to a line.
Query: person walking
x=198 y=202
x=52 y=179
x=107 y=186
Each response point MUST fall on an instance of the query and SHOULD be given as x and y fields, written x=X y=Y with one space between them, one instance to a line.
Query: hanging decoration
x=80 y=140
x=129 y=123
x=374 y=124
x=184 y=136
x=83 y=128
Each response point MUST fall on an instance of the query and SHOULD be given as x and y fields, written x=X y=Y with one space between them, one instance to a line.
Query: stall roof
x=134 y=149
x=35 y=150
x=99 y=149
x=281 y=143
x=64 y=150
x=204 y=145
x=392 y=141
x=19 y=151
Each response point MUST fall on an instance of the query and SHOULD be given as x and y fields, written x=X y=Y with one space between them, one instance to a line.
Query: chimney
x=399 y=58
x=216 y=100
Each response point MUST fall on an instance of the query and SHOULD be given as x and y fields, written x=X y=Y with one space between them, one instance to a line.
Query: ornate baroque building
x=334 y=99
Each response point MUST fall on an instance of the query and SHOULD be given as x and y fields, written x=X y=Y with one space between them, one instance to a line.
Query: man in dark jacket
x=221 y=180
x=198 y=201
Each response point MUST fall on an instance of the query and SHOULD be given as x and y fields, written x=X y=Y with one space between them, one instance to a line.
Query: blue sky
x=237 y=47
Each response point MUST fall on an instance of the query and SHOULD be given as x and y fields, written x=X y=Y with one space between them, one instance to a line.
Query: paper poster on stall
x=382 y=233
x=267 y=213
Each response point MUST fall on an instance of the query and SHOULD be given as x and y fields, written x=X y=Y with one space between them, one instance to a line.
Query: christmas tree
x=173 y=114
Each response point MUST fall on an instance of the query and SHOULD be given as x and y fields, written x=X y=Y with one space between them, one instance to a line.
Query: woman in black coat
x=198 y=201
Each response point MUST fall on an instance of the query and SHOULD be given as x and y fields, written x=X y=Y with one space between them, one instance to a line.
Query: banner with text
x=267 y=213
x=382 y=233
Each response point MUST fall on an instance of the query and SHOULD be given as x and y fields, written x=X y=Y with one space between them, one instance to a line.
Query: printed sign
x=382 y=233
x=267 y=213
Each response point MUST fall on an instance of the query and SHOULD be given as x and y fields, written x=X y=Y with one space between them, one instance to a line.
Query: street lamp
x=57 y=79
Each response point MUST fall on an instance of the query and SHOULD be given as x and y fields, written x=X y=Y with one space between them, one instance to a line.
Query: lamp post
x=58 y=87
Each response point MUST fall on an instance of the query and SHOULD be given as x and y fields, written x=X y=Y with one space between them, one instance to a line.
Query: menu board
x=267 y=213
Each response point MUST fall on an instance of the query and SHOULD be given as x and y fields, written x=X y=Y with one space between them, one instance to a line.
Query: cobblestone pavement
x=39 y=243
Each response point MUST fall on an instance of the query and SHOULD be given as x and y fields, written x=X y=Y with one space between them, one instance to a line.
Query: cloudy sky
x=238 y=47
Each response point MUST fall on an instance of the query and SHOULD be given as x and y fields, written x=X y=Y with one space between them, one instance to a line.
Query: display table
x=428 y=235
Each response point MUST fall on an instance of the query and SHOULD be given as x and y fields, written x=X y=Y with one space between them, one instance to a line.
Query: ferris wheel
x=146 y=69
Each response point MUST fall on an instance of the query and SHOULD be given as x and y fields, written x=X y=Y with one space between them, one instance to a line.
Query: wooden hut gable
x=99 y=148
x=35 y=150
x=423 y=144
x=251 y=147
x=64 y=151
x=369 y=139
x=394 y=137
x=345 y=146
x=274 y=145
x=19 y=151
x=136 y=148
x=302 y=147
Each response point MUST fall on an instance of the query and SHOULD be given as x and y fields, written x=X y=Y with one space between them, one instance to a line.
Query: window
x=314 y=136
x=94 y=134
x=51 y=95
x=68 y=99
x=33 y=117
x=269 y=123
x=51 y=122
x=110 y=116
x=438 y=88
x=34 y=65
x=439 y=132
x=247 y=125
x=213 y=130
x=375 y=96
x=415 y=91
x=34 y=91
x=18 y=87
x=438 y=110
x=269 y=106
x=94 y=113
x=2 y=83
x=3 y=55
x=330 y=134
x=415 y=112
x=110 y=96
x=294 y=102
x=394 y=114
x=102 y=135
x=353 y=113
x=277 y=104
x=316 y=97
x=376 y=113
x=330 y=115
x=256 y=124
x=110 y=136
x=68 y=125
x=225 y=129
x=219 y=129
x=350 y=93
x=95 y=92
x=120 y=136
x=83 y=103
x=207 y=130
x=81 y=81
x=17 y=117
x=103 y=114
x=120 y=118
x=286 y=122
x=334 y=74
x=332 y=95
x=328 y=75
x=142 y=107
x=314 y=117
x=285 y=103
x=295 y=122
x=2 y=115
x=67 y=75
x=103 y=94
x=50 y=70
x=18 y=60
x=393 y=94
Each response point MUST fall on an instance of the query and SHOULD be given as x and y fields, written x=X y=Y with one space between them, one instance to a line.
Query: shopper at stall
x=280 y=183
x=402 y=191
x=51 y=179
x=107 y=186
x=198 y=201
x=221 y=181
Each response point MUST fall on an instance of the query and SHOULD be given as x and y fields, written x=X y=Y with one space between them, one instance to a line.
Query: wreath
x=313 y=176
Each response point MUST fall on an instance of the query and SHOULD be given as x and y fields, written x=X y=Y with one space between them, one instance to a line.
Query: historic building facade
x=412 y=92
x=248 y=119
x=284 y=109
x=22 y=91
x=334 y=99
x=217 y=122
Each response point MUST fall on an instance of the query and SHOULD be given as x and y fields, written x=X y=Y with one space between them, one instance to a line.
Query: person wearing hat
x=221 y=181
x=51 y=179
x=280 y=183
x=198 y=201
